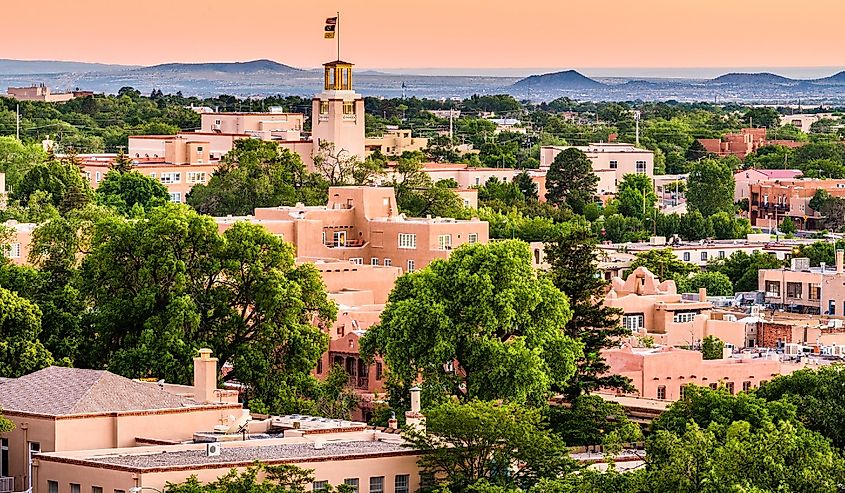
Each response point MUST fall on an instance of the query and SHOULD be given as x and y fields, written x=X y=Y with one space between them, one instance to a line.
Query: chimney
x=393 y=422
x=840 y=259
x=205 y=376
x=702 y=294
x=414 y=417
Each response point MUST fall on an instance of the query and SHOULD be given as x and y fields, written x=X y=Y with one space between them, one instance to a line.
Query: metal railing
x=7 y=485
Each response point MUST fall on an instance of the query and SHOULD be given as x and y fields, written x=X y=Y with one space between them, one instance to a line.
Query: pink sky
x=433 y=33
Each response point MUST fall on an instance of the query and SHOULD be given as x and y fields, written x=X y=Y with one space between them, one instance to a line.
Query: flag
x=331 y=24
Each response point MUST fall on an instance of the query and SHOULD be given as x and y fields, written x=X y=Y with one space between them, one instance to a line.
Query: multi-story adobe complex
x=662 y=372
x=88 y=430
x=394 y=142
x=805 y=289
x=743 y=179
x=772 y=201
x=611 y=162
x=40 y=92
x=744 y=143
x=655 y=309
x=363 y=225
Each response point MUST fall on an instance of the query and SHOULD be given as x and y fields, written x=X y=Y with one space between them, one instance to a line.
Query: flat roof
x=234 y=453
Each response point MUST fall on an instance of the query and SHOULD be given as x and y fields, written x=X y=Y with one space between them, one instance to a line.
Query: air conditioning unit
x=213 y=449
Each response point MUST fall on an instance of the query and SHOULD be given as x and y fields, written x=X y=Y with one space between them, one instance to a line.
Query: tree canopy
x=710 y=187
x=570 y=180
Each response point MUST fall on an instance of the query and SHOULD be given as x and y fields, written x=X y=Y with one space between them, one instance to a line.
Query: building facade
x=611 y=162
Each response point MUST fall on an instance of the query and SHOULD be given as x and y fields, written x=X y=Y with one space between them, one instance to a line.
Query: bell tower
x=337 y=113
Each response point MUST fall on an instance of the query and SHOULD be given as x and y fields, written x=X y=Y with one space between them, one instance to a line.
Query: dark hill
x=763 y=78
x=569 y=79
x=836 y=79
x=252 y=67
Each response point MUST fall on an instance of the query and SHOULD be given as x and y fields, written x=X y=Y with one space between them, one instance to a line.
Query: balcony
x=346 y=244
x=7 y=485
x=359 y=382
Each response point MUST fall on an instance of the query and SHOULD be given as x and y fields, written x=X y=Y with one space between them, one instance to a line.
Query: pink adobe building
x=805 y=289
x=466 y=176
x=661 y=373
x=362 y=225
x=17 y=247
x=88 y=430
x=743 y=143
x=611 y=162
x=40 y=92
x=771 y=201
x=745 y=178
x=654 y=309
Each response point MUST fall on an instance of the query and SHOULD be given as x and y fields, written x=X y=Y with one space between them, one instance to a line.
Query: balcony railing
x=359 y=382
x=7 y=485
x=346 y=244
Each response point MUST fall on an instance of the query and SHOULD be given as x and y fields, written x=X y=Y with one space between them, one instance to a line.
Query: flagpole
x=337 y=35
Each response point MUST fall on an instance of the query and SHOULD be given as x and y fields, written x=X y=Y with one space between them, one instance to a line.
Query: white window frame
x=684 y=317
x=12 y=250
x=408 y=241
x=176 y=197
x=412 y=265
x=444 y=242
x=171 y=177
x=357 y=260
x=196 y=177
x=388 y=262
x=633 y=321
x=472 y=238
x=374 y=261
x=644 y=165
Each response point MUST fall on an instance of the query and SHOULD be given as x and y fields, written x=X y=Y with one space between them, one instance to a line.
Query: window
x=353 y=482
x=472 y=238
x=388 y=262
x=324 y=107
x=348 y=107
x=357 y=260
x=730 y=387
x=12 y=250
x=815 y=292
x=152 y=175
x=169 y=178
x=199 y=149
x=52 y=487
x=831 y=307
x=444 y=242
x=714 y=386
x=640 y=167
x=4 y=457
x=401 y=483
x=320 y=366
x=374 y=261
x=176 y=197
x=407 y=240
x=411 y=265
x=196 y=177
x=704 y=256
x=74 y=488
x=684 y=317
x=772 y=288
x=661 y=392
x=614 y=164
x=633 y=322
x=426 y=480
x=686 y=257
x=746 y=386
x=721 y=254
x=683 y=392
x=379 y=370
x=320 y=486
x=339 y=238
x=793 y=290
x=377 y=484
x=99 y=176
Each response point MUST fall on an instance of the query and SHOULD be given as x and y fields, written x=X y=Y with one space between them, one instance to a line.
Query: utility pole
x=637 y=121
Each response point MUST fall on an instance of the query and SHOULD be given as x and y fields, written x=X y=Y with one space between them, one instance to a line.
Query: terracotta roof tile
x=58 y=391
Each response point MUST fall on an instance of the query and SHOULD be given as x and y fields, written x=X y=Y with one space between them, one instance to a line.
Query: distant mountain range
x=268 y=77
x=568 y=79
x=251 y=67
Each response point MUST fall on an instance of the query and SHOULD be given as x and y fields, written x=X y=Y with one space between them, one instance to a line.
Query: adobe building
x=748 y=140
x=803 y=121
x=662 y=372
x=16 y=249
x=362 y=225
x=394 y=141
x=40 y=92
x=804 y=289
x=61 y=409
x=338 y=114
x=611 y=162
x=654 y=309
x=743 y=179
x=772 y=201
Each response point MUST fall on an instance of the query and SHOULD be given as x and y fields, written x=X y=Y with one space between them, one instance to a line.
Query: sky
x=446 y=34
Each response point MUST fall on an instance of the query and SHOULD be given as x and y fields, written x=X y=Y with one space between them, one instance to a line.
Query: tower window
x=348 y=107
x=324 y=107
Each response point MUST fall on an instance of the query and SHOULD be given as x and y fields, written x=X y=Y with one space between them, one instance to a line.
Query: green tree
x=815 y=393
x=741 y=268
x=591 y=420
x=168 y=283
x=636 y=196
x=17 y=158
x=762 y=117
x=710 y=187
x=62 y=181
x=573 y=268
x=5 y=425
x=256 y=174
x=504 y=444
x=122 y=163
x=728 y=227
x=335 y=399
x=124 y=190
x=695 y=226
x=480 y=324
x=787 y=226
x=20 y=325
x=571 y=181
x=712 y=347
x=417 y=195
x=527 y=186
x=716 y=284
x=663 y=263
x=282 y=478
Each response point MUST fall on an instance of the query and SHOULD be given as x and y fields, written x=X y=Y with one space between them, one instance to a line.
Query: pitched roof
x=58 y=391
